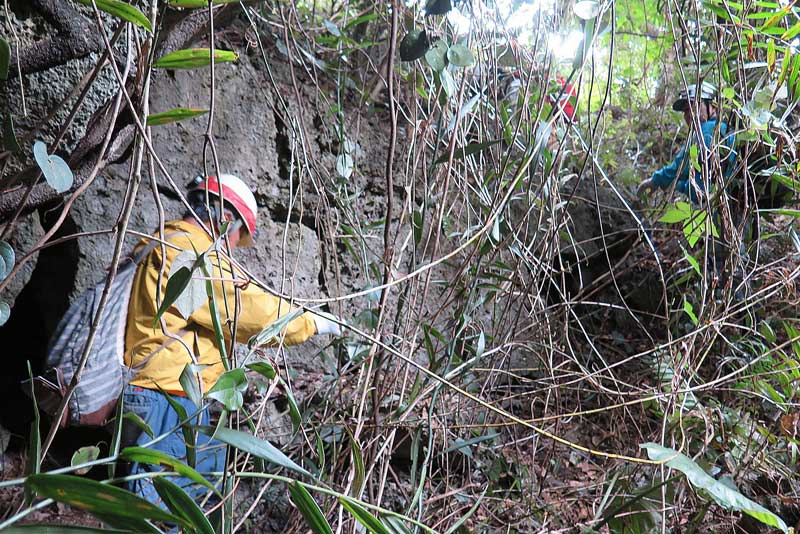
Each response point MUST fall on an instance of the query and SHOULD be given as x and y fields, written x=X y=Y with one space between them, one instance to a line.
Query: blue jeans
x=154 y=409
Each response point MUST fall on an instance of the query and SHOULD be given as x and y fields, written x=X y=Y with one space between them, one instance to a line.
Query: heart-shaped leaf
x=5 y=312
x=460 y=56
x=191 y=58
x=9 y=258
x=121 y=10
x=194 y=293
x=84 y=455
x=414 y=45
x=436 y=56
x=344 y=165
x=55 y=170
x=173 y=115
x=10 y=142
x=263 y=368
x=438 y=7
x=5 y=58
x=586 y=9
x=229 y=388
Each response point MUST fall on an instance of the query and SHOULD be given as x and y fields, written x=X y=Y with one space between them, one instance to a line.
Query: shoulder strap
x=142 y=254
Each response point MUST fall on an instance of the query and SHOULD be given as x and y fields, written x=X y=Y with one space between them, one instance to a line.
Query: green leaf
x=186 y=428
x=257 y=447
x=198 y=3
x=9 y=258
x=693 y=157
x=34 y=460
x=174 y=115
x=689 y=309
x=96 y=498
x=462 y=152
x=369 y=521
x=194 y=294
x=344 y=165
x=5 y=312
x=84 y=455
x=681 y=211
x=722 y=494
x=10 y=142
x=154 y=457
x=177 y=283
x=436 y=56
x=182 y=505
x=58 y=529
x=586 y=9
x=447 y=83
x=191 y=58
x=692 y=261
x=273 y=329
x=188 y=381
x=121 y=10
x=304 y=502
x=138 y=421
x=55 y=170
x=332 y=28
x=414 y=45
x=460 y=56
x=294 y=410
x=263 y=368
x=229 y=388
x=358 y=464
x=5 y=58
x=437 y=7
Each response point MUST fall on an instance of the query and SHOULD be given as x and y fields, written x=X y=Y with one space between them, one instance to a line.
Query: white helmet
x=708 y=91
x=238 y=195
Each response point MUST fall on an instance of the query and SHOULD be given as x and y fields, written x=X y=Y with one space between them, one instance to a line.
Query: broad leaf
x=5 y=312
x=84 y=455
x=177 y=283
x=174 y=115
x=10 y=142
x=186 y=428
x=55 y=170
x=257 y=447
x=308 y=507
x=198 y=3
x=722 y=494
x=59 y=529
x=121 y=10
x=138 y=421
x=154 y=457
x=273 y=329
x=437 y=7
x=9 y=258
x=344 y=165
x=96 y=498
x=436 y=56
x=5 y=58
x=229 y=388
x=370 y=522
x=182 y=505
x=191 y=58
x=264 y=368
x=681 y=211
x=460 y=56
x=194 y=294
x=414 y=45
x=188 y=381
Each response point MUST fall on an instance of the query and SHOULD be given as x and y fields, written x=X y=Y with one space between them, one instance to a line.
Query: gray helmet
x=708 y=91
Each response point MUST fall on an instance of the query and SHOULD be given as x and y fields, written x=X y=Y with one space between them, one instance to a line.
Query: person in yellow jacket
x=159 y=355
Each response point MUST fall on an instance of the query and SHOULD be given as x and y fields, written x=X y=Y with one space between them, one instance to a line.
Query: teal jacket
x=680 y=169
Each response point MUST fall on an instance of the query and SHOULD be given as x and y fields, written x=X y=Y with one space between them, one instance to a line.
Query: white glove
x=327 y=323
x=646 y=185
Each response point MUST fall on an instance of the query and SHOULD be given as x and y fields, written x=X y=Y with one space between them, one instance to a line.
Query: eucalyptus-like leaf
x=121 y=10
x=5 y=312
x=369 y=521
x=10 y=142
x=414 y=45
x=174 y=115
x=5 y=58
x=725 y=496
x=180 y=504
x=96 y=498
x=55 y=170
x=9 y=258
x=192 y=58
x=257 y=447
x=304 y=502
x=161 y=459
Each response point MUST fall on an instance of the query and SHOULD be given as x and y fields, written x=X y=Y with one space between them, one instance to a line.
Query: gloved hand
x=646 y=185
x=327 y=323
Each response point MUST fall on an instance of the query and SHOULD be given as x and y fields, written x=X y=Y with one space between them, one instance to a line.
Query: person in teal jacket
x=681 y=167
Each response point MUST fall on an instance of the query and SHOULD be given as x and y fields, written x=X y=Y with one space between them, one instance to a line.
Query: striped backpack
x=94 y=399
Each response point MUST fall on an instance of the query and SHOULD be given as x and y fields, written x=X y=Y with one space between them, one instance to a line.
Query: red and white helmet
x=238 y=195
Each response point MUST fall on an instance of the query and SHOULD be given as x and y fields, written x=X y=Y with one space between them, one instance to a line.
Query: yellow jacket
x=257 y=310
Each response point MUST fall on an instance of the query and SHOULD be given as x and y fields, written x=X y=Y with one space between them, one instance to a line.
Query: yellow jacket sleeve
x=256 y=308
